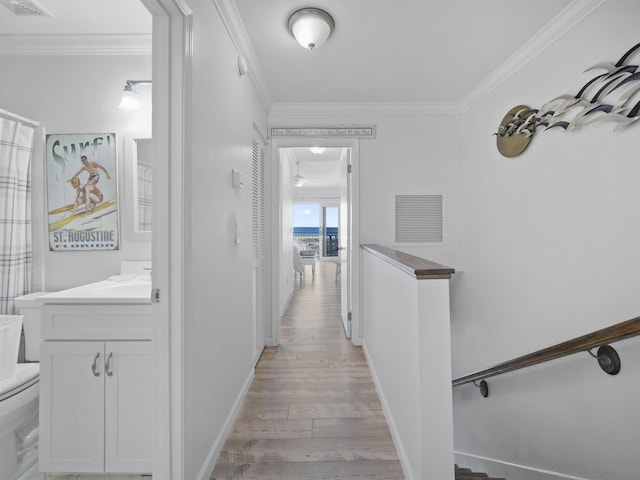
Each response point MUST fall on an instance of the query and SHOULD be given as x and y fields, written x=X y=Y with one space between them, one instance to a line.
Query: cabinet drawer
x=96 y=322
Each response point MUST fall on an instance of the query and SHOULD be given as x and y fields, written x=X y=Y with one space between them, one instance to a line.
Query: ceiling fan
x=299 y=180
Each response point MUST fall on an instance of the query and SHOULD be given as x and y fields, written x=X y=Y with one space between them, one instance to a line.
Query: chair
x=303 y=257
x=298 y=266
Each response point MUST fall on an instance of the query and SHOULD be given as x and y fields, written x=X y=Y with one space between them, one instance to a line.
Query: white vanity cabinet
x=95 y=389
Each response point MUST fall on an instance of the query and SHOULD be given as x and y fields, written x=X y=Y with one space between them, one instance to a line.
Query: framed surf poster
x=82 y=192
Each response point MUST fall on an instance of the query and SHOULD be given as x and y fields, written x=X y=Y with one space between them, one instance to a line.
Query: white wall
x=551 y=243
x=414 y=153
x=393 y=353
x=77 y=94
x=406 y=336
x=217 y=327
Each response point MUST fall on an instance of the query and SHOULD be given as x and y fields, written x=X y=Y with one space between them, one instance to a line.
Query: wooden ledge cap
x=418 y=267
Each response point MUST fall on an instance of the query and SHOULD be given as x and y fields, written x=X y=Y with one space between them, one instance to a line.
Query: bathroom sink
x=126 y=290
x=131 y=290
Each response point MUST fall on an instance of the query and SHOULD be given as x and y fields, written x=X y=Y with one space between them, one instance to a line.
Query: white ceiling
x=381 y=50
x=320 y=171
x=392 y=50
x=79 y=17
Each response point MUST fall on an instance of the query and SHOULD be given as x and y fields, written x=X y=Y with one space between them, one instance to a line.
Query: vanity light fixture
x=311 y=27
x=317 y=150
x=130 y=102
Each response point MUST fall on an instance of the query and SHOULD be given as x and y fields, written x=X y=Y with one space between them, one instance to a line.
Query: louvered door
x=258 y=248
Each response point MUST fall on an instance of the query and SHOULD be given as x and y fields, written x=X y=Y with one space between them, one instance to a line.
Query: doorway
x=325 y=185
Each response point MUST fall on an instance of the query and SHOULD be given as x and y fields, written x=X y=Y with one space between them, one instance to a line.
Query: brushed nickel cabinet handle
x=94 y=367
x=107 y=366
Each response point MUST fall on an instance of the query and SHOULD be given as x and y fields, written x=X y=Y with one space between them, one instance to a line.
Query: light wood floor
x=312 y=411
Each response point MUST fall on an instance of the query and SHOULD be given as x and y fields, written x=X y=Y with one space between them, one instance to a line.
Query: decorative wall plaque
x=353 y=131
x=515 y=130
x=610 y=96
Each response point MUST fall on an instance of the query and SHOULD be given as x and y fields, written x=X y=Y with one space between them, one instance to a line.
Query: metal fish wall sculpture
x=610 y=96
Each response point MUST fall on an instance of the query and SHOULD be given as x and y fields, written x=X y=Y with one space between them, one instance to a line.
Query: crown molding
x=235 y=28
x=127 y=44
x=562 y=23
x=364 y=108
x=87 y=44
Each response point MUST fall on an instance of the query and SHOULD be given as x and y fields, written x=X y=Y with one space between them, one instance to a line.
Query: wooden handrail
x=614 y=333
x=415 y=266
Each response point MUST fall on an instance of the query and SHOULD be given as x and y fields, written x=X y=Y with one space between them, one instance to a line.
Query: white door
x=258 y=249
x=344 y=238
x=128 y=426
x=72 y=407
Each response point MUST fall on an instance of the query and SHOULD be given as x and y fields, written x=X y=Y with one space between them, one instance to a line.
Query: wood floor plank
x=307 y=450
x=252 y=409
x=312 y=411
x=350 y=427
x=254 y=429
x=296 y=363
x=302 y=371
x=335 y=410
x=318 y=395
x=353 y=470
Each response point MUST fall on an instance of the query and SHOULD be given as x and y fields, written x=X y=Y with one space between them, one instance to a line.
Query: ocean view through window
x=315 y=227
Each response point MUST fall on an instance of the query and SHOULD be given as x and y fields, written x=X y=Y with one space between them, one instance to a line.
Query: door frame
x=275 y=221
x=171 y=73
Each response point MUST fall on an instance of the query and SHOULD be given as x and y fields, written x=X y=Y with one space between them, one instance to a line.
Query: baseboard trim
x=30 y=473
x=214 y=453
x=395 y=435
x=501 y=468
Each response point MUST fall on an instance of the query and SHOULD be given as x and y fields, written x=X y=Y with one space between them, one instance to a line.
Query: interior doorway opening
x=314 y=208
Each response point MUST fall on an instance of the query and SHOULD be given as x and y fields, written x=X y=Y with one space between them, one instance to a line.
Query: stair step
x=475 y=476
x=468 y=474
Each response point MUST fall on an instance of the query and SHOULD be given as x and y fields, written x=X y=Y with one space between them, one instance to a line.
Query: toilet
x=19 y=398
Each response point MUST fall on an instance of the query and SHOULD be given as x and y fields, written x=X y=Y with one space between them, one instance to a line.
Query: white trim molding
x=501 y=468
x=568 y=18
x=393 y=429
x=238 y=34
x=89 y=44
x=363 y=108
x=207 y=468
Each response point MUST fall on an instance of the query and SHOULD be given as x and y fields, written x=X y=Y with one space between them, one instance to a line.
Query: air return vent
x=419 y=218
x=24 y=8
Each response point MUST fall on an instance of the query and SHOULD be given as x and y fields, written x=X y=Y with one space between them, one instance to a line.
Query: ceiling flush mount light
x=317 y=150
x=129 y=102
x=311 y=27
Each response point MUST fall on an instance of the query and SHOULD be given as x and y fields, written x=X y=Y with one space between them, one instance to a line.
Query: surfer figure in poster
x=88 y=194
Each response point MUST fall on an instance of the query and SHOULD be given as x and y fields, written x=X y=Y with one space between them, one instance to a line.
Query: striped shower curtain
x=16 y=144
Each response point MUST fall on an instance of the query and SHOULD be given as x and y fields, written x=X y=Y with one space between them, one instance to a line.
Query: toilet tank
x=30 y=307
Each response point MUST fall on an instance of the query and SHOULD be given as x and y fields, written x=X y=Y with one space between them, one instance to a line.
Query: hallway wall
x=217 y=327
x=413 y=153
x=551 y=252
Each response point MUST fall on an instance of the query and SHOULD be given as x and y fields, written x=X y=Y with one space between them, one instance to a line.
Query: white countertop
x=119 y=289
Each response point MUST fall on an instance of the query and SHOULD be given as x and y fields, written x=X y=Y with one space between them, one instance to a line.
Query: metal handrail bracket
x=607 y=357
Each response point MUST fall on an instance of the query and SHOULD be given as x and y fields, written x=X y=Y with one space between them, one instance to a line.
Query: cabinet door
x=128 y=407
x=72 y=407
